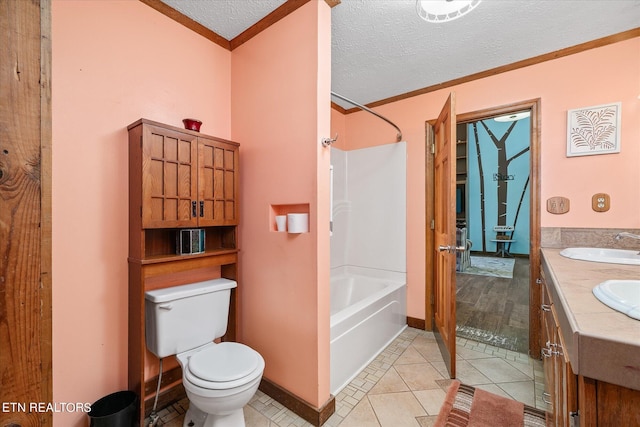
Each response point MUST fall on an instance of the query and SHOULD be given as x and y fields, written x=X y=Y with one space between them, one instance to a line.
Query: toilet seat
x=223 y=366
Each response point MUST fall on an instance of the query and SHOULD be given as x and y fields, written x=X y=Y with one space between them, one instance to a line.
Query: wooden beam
x=25 y=213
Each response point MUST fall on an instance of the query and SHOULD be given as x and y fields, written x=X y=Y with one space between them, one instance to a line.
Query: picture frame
x=594 y=130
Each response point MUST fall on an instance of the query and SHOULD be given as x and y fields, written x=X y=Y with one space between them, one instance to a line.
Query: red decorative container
x=192 y=124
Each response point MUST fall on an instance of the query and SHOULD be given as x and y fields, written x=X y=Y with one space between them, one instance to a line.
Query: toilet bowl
x=219 y=379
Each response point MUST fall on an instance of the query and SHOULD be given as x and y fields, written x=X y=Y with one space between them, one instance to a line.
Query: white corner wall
x=369 y=207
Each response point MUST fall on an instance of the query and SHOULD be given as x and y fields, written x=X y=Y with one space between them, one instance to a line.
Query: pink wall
x=339 y=127
x=280 y=110
x=113 y=63
x=598 y=76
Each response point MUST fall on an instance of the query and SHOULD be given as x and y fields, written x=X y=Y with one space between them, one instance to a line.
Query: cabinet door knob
x=194 y=208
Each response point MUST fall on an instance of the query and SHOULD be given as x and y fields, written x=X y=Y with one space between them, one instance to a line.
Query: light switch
x=557 y=205
x=600 y=202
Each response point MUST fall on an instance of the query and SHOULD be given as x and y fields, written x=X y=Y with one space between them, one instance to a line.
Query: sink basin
x=612 y=256
x=621 y=295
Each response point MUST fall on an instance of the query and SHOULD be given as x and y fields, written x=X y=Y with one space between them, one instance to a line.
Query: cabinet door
x=567 y=385
x=217 y=183
x=548 y=338
x=169 y=179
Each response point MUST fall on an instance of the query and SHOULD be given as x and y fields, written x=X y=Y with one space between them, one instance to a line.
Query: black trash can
x=115 y=410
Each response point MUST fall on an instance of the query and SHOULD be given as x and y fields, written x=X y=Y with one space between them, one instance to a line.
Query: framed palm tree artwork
x=593 y=130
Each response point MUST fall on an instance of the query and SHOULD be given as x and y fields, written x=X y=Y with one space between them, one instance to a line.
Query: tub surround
x=368 y=256
x=370 y=208
x=601 y=343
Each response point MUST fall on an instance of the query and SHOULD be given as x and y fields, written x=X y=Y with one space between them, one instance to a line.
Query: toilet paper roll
x=298 y=223
x=281 y=222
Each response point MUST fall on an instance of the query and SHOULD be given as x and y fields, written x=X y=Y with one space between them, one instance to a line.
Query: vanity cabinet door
x=560 y=381
x=567 y=385
x=548 y=337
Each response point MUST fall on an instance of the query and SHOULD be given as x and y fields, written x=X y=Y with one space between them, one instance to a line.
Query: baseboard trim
x=416 y=323
x=311 y=414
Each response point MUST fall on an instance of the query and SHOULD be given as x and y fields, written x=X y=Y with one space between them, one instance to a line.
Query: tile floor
x=404 y=386
x=495 y=310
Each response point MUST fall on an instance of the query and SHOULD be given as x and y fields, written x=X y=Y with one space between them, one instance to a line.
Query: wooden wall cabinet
x=177 y=179
x=186 y=179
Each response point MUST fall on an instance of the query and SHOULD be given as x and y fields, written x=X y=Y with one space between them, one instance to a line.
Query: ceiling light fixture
x=513 y=117
x=444 y=10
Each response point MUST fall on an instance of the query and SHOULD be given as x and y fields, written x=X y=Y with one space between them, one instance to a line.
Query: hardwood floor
x=495 y=310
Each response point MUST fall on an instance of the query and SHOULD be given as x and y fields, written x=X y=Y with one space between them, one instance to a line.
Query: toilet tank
x=184 y=317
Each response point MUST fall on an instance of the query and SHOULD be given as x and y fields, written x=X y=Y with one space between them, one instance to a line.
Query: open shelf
x=284 y=210
x=161 y=243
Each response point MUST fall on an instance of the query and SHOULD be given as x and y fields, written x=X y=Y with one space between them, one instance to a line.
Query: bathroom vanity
x=591 y=353
x=178 y=179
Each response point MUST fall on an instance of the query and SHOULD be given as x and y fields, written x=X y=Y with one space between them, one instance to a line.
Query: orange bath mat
x=465 y=406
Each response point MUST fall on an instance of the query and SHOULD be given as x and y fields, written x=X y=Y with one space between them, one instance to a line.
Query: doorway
x=531 y=269
x=492 y=225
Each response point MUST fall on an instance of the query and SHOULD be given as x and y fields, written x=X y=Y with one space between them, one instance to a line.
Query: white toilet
x=219 y=378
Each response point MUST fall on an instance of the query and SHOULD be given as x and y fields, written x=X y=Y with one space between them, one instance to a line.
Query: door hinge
x=433 y=224
x=575 y=418
x=433 y=148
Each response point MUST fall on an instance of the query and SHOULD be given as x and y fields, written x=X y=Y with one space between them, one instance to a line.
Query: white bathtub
x=368 y=311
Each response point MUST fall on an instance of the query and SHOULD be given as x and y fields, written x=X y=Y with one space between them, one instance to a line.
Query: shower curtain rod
x=362 y=107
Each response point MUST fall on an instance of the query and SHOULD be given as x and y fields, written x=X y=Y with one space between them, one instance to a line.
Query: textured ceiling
x=227 y=18
x=381 y=48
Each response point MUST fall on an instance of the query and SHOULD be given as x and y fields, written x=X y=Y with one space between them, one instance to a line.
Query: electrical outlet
x=600 y=202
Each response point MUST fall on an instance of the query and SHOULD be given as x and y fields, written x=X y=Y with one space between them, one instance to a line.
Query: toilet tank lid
x=190 y=290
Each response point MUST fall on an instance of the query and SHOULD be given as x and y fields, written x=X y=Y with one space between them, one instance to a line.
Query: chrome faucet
x=625 y=234
x=629 y=235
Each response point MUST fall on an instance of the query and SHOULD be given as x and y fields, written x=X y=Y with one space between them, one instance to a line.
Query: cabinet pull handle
x=194 y=209
x=546 y=352
x=166 y=307
x=545 y=307
x=544 y=398
x=201 y=208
